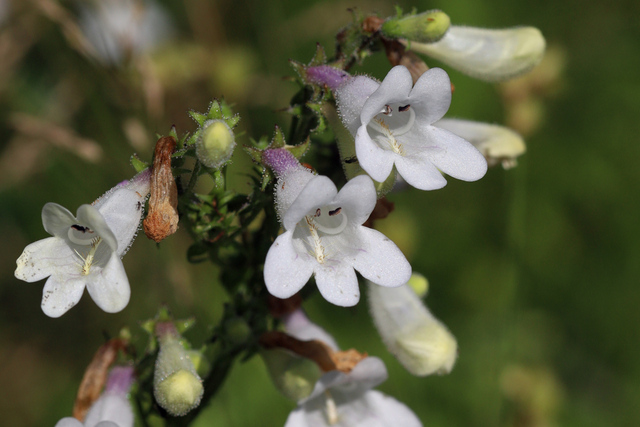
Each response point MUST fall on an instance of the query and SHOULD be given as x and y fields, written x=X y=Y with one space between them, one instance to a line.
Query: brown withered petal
x=325 y=357
x=162 y=219
x=95 y=377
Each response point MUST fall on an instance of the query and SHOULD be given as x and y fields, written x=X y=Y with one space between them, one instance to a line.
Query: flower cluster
x=385 y=131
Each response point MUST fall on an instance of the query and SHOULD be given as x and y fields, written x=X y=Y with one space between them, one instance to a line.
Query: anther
x=405 y=108
x=334 y=212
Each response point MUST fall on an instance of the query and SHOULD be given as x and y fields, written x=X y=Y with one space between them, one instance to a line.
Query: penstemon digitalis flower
x=86 y=249
x=324 y=236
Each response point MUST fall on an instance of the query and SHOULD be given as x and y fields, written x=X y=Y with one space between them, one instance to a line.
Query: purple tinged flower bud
x=327 y=75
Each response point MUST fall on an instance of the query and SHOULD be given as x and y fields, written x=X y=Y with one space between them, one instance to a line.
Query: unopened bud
x=293 y=376
x=426 y=27
x=420 y=342
x=176 y=385
x=215 y=146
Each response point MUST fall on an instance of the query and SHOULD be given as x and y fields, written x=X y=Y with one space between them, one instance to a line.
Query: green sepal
x=138 y=165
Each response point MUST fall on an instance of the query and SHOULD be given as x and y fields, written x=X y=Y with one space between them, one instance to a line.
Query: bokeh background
x=534 y=269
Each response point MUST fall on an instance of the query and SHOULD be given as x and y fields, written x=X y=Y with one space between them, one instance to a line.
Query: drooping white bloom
x=345 y=399
x=497 y=144
x=487 y=54
x=85 y=249
x=420 y=342
x=117 y=28
x=393 y=121
x=112 y=409
x=324 y=236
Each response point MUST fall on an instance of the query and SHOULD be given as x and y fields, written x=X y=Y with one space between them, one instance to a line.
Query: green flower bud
x=215 y=146
x=426 y=27
x=294 y=376
x=176 y=385
x=419 y=284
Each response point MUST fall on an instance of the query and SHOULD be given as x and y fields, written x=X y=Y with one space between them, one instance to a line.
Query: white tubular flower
x=497 y=144
x=118 y=28
x=112 y=409
x=324 y=236
x=420 y=342
x=346 y=399
x=86 y=250
x=487 y=54
x=393 y=125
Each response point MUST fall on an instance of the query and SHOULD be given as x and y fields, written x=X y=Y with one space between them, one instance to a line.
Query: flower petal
x=457 y=157
x=109 y=286
x=285 y=271
x=110 y=409
x=122 y=211
x=420 y=173
x=387 y=411
x=57 y=219
x=61 y=292
x=319 y=191
x=40 y=259
x=351 y=97
x=69 y=422
x=395 y=87
x=91 y=217
x=380 y=260
x=375 y=161
x=358 y=198
x=338 y=283
x=431 y=96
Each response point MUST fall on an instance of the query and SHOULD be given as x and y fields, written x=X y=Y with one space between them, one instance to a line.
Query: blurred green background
x=532 y=268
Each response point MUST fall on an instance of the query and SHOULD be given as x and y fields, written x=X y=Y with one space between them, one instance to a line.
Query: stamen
x=405 y=108
x=318 y=212
x=88 y=261
x=387 y=110
x=332 y=409
x=388 y=136
x=335 y=212
x=318 y=249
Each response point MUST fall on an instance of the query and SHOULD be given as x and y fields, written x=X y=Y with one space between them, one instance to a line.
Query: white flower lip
x=395 y=128
x=85 y=250
x=340 y=399
x=324 y=236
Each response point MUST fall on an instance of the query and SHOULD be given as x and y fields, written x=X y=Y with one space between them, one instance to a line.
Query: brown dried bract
x=95 y=377
x=162 y=219
x=324 y=356
x=382 y=210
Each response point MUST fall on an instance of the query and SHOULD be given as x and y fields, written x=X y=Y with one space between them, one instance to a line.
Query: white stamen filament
x=88 y=261
x=333 y=230
x=388 y=137
x=318 y=249
x=332 y=409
